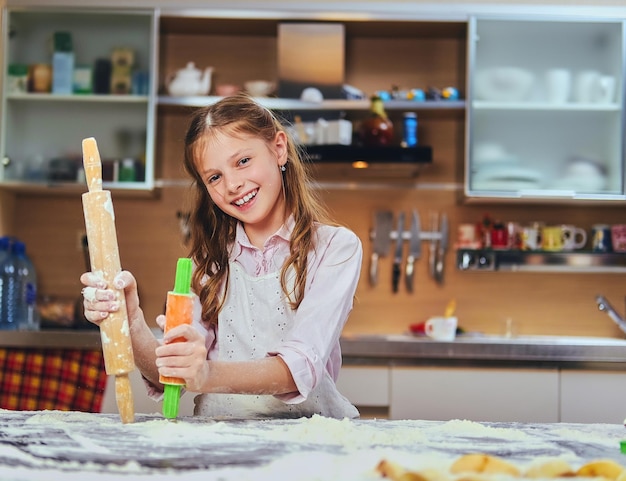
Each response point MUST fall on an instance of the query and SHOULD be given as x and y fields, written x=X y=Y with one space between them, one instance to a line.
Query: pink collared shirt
x=312 y=344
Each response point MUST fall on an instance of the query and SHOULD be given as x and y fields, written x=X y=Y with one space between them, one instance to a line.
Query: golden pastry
x=483 y=463
x=605 y=468
x=552 y=468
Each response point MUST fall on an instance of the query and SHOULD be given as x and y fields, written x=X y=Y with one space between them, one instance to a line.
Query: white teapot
x=190 y=81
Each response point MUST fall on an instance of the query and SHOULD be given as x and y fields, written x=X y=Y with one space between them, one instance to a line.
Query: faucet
x=604 y=305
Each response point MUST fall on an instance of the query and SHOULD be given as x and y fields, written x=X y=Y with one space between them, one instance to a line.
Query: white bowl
x=503 y=84
x=488 y=152
x=259 y=88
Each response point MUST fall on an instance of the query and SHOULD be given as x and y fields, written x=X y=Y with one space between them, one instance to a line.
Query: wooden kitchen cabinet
x=592 y=396
x=41 y=131
x=476 y=394
x=378 y=56
x=545 y=109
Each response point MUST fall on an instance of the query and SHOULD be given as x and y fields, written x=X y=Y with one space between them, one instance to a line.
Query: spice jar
x=17 y=80
x=41 y=78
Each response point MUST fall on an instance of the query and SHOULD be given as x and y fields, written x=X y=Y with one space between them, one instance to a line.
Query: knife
x=383 y=224
x=397 y=261
x=432 y=250
x=443 y=247
x=415 y=250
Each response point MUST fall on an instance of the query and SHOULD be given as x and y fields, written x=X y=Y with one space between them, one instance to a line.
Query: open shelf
x=540 y=261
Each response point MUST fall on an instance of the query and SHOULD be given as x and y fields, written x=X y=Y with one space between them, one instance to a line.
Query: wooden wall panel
x=234 y=59
x=538 y=303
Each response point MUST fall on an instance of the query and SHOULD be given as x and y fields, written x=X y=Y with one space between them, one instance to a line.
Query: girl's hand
x=185 y=359
x=99 y=300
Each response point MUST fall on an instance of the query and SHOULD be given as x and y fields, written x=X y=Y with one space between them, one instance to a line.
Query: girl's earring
x=283 y=168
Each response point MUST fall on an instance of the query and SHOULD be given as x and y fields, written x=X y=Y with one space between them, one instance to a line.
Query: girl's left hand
x=186 y=359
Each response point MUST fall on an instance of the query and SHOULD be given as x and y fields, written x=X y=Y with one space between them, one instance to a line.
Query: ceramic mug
x=587 y=85
x=499 y=237
x=441 y=328
x=467 y=235
x=601 y=238
x=514 y=235
x=552 y=238
x=573 y=237
x=558 y=85
x=618 y=237
x=606 y=89
x=531 y=237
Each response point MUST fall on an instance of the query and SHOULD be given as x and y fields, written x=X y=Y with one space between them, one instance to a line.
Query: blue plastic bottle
x=27 y=314
x=5 y=245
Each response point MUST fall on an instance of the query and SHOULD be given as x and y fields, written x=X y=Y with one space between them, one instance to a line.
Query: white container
x=558 y=85
x=339 y=132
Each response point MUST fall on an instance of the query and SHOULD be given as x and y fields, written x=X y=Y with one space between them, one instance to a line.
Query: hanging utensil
x=442 y=248
x=383 y=225
x=434 y=227
x=397 y=261
x=415 y=251
x=450 y=308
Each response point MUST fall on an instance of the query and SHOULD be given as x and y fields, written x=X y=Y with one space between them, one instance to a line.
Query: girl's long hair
x=213 y=232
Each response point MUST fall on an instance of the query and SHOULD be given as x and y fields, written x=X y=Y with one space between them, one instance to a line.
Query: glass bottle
x=376 y=130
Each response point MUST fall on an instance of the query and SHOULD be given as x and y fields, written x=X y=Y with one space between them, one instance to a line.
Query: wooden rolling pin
x=105 y=261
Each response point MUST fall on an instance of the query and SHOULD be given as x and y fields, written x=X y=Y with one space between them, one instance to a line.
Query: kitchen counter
x=76 y=446
x=51 y=339
x=561 y=351
x=404 y=348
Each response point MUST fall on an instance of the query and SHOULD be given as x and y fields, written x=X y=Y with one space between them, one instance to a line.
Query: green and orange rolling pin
x=178 y=310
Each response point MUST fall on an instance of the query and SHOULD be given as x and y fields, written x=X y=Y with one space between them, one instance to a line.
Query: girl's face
x=243 y=177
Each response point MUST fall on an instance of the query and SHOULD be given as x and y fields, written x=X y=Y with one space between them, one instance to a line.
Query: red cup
x=499 y=237
x=618 y=236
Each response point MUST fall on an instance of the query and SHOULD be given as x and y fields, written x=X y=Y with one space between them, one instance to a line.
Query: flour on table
x=74 y=446
x=65 y=417
x=470 y=428
x=590 y=436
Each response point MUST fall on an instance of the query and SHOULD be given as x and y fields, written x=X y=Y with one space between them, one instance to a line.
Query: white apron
x=254 y=321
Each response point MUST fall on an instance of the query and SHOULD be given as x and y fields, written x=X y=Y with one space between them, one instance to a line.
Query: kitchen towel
x=58 y=379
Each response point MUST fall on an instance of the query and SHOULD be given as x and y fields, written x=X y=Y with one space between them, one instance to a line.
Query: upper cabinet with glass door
x=545 y=116
x=105 y=94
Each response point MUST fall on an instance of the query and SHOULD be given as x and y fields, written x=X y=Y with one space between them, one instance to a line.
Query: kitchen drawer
x=365 y=385
x=476 y=394
x=593 y=397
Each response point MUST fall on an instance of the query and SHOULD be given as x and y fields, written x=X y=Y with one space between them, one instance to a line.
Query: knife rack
x=437 y=237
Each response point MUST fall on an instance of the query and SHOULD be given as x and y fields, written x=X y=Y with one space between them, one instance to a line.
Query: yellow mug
x=552 y=238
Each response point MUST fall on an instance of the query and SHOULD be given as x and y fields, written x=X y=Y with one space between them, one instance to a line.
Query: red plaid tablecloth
x=55 y=379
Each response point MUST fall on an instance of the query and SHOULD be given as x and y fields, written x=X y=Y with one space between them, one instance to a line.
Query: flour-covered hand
x=100 y=299
x=183 y=354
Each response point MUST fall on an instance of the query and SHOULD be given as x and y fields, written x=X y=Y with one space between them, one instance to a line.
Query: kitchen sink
x=544 y=339
x=497 y=339
x=479 y=347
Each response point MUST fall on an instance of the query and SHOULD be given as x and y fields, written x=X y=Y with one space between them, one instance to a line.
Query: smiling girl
x=274 y=277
